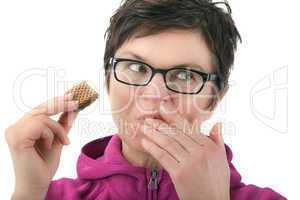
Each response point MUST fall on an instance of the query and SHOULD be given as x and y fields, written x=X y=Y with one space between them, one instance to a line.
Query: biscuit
x=84 y=94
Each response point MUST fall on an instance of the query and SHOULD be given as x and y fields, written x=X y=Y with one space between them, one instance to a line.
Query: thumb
x=67 y=119
x=216 y=134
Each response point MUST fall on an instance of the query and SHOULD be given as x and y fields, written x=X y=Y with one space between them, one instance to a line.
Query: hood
x=102 y=161
x=102 y=157
x=103 y=173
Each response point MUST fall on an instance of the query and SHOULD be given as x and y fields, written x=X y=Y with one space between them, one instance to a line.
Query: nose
x=156 y=90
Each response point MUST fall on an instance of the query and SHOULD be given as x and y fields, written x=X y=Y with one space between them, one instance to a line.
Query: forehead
x=169 y=48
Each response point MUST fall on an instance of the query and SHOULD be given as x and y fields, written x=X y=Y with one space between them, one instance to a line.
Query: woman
x=167 y=65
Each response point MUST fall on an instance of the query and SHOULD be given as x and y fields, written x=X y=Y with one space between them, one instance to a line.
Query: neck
x=138 y=158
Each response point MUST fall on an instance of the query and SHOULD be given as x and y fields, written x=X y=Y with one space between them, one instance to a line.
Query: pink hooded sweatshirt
x=103 y=173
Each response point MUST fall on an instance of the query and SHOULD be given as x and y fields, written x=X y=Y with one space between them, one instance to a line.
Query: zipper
x=152 y=185
x=153 y=180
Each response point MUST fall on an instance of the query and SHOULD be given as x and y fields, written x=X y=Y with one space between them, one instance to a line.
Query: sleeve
x=64 y=188
x=76 y=189
x=242 y=191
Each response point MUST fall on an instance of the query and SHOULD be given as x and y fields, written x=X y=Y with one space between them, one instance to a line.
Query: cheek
x=123 y=112
x=195 y=107
x=120 y=97
x=204 y=99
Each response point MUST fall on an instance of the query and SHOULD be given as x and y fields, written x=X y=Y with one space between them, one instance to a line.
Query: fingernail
x=153 y=123
x=145 y=143
x=148 y=121
x=220 y=127
x=74 y=104
x=164 y=106
x=146 y=129
x=67 y=141
x=69 y=96
x=49 y=146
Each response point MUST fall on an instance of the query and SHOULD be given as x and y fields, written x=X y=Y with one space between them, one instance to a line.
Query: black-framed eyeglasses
x=179 y=79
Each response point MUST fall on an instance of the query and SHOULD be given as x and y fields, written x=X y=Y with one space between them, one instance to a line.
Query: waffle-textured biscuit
x=83 y=93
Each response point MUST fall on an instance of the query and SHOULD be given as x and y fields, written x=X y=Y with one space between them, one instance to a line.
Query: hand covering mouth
x=153 y=116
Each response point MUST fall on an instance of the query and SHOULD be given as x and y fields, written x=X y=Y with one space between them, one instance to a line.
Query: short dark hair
x=138 y=18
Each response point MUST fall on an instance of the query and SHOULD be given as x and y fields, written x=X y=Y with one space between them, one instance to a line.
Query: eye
x=184 y=75
x=137 y=67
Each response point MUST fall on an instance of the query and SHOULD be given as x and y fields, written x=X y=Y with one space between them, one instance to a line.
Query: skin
x=196 y=163
x=35 y=142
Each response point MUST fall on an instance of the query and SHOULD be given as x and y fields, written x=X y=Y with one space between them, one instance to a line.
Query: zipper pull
x=153 y=180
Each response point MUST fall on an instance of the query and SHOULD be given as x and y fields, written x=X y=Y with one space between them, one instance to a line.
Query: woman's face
x=131 y=104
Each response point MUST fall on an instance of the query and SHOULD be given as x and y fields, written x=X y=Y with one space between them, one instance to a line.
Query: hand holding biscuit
x=35 y=141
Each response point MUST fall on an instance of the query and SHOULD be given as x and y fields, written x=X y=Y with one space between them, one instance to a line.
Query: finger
x=47 y=136
x=161 y=155
x=67 y=119
x=68 y=96
x=165 y=142
x=216 y=135
x=54 y=108
x=170 y=114
x=41 y=108
x=56 y=105
x=196 y=133
x=56 y=128
x=186 y=142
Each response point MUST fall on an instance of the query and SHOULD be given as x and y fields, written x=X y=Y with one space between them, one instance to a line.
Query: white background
x=45 y=45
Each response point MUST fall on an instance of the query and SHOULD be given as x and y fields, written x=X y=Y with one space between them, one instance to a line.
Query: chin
x=133 y=141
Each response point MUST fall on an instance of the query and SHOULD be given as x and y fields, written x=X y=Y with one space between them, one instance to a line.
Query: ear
x=106 y=82
x=217 y=98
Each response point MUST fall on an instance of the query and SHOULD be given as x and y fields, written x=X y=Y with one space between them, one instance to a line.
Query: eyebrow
x=184 y=65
